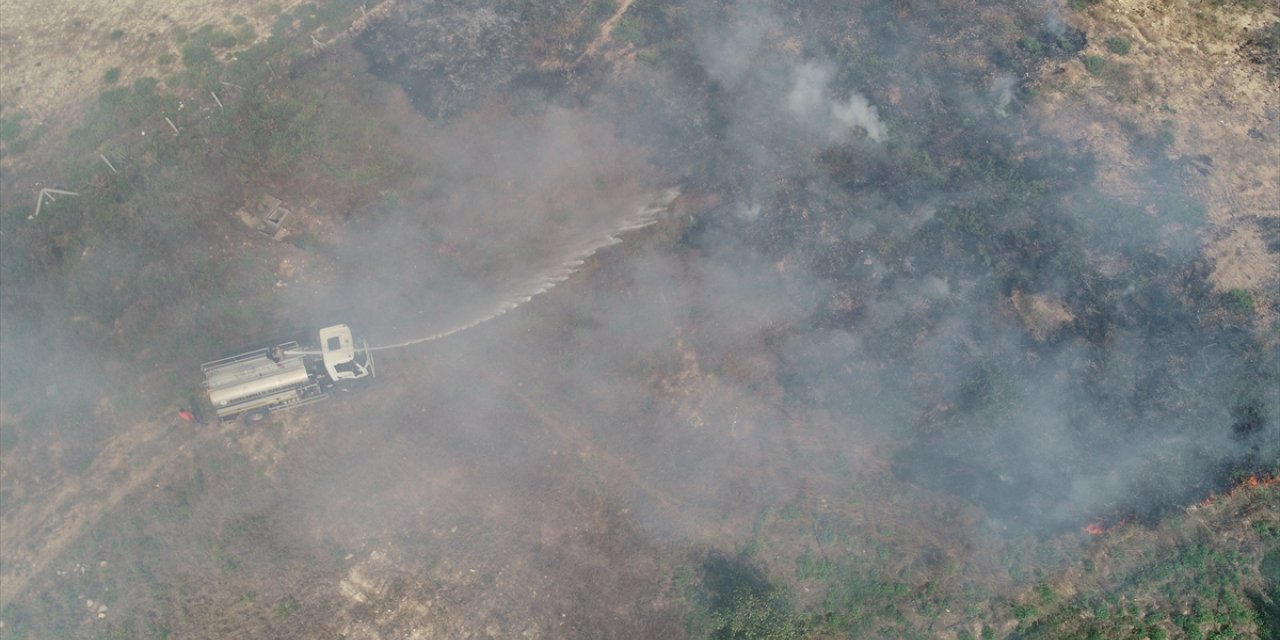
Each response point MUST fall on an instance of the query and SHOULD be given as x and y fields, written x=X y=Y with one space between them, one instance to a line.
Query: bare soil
x=1185 y=75
x=56 y=54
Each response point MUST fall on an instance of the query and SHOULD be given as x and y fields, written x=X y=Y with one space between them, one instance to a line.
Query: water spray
x=645 y=216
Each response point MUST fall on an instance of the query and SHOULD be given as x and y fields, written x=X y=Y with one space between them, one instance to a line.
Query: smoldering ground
x=871 y=260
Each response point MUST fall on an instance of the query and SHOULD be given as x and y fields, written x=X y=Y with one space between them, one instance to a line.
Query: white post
x=109 y=165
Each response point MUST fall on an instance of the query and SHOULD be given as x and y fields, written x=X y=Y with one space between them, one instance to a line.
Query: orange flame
x=1094 y=529
x=1254 y=481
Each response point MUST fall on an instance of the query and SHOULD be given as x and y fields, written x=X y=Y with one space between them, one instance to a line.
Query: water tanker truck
x=251 y=385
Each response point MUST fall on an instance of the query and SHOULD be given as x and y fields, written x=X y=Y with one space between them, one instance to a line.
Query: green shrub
x=287 y=606
x=1024 y=611
x=1269 y=568
x=194 y=55
x=809 y=567
x=1032 y=46
x=1238 y=301
x=1081 y=5
x=111 y=75
x=1094 y=64
x=145 y=85
x=116 y=34
x=222 y=40
x=1269 y=531
x=628 y=29
x=10 y=128
x=602 y=9
x=1119 y=45
x=765 y=616
x=164 y=59
x=245 y=34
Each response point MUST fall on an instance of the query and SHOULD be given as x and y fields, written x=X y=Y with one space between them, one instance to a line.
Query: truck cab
x=341 y=360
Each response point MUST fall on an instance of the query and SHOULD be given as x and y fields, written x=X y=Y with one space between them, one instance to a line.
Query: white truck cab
x=339 y=353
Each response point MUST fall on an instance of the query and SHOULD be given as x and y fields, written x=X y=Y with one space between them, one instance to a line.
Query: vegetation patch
x=1262 y=47
x=1119 y=45
x=1239 y=301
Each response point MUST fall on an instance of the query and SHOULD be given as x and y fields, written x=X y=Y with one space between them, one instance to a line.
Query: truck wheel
x=257 y=415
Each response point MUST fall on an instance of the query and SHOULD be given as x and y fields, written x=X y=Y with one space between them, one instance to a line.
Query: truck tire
x=257 y=415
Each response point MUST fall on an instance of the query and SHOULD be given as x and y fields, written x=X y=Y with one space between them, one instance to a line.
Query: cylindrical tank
x=254 y=377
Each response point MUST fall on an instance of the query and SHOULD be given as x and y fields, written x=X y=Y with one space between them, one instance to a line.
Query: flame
x=1254 y=481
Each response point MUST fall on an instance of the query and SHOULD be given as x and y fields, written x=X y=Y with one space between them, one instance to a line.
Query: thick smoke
x=1033 y=396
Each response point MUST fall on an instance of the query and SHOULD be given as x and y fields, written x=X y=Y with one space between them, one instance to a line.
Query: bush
x=145 y=85
x=111 y=75
x=222 y=40
x=1238 y=301
x=194 y=55
x=602 y=9
x=245 y=34
x=1024 y=611
x=287 y=606
x=10 y=128
x=766 y=616
x=1118 y=45
x=1094 y=64
x=1032 y=46
x=164 y=59
x=628 y=29
x=116 y=34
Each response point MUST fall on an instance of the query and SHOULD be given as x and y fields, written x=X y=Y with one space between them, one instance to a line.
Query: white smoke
x=810 y=103
x=1002 y=91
